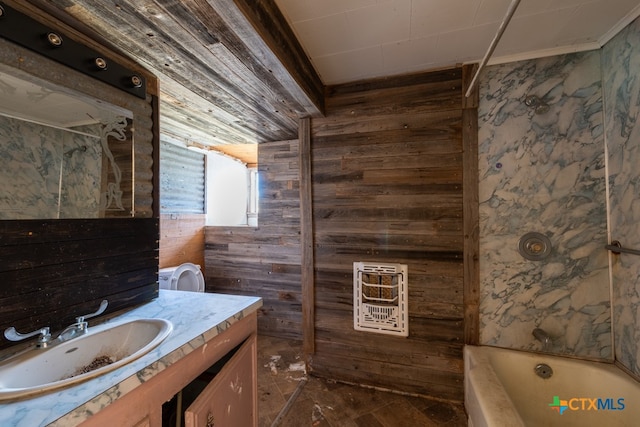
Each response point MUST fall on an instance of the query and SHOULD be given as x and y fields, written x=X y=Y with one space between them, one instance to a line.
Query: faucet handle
x=12 y=335
x=101 y=309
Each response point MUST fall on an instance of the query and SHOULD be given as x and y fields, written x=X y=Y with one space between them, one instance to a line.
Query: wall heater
x=380 y=298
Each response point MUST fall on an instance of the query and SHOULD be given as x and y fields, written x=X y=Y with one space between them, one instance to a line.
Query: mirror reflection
x=64 y=155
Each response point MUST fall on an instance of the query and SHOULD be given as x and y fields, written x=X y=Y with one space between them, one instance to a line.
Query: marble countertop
x=196 y=318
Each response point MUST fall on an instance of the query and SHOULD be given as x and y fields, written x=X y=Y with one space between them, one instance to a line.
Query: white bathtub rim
x=602 y=363
x=482 y=410
x=500 y=411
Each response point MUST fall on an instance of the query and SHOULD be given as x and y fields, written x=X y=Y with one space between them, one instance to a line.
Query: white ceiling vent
x=380 y=298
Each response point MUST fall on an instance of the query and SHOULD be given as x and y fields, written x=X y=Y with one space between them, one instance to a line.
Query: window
x=207 y=182
x=232 y=192
x=254 y=197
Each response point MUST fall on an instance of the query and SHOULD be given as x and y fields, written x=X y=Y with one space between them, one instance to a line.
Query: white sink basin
x=103 y=349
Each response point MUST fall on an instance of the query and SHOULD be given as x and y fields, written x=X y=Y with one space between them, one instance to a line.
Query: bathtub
x=502 y=389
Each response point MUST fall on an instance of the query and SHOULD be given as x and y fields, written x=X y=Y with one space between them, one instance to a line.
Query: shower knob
x=534 y=246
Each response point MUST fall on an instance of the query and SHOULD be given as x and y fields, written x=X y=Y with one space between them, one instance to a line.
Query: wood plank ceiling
x=221 y=80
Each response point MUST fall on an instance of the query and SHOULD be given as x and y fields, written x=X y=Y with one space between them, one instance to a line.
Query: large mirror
x=64 y=154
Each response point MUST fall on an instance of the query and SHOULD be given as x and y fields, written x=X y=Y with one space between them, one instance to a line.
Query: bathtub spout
x=542 y=336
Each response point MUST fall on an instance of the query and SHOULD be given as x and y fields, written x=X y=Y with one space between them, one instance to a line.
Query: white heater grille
x=380 y=298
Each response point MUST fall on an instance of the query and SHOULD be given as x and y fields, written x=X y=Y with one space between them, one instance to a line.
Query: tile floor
x=322 y=403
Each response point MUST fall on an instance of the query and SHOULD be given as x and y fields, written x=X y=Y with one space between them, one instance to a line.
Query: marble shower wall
x=544 y=173
x=621 y=87
x=47 y=172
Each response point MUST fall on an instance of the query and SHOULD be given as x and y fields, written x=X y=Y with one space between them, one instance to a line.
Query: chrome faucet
x=80 y=327
x=542 y=336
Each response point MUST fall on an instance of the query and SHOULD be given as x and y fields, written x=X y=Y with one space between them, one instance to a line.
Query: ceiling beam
x=261 y=25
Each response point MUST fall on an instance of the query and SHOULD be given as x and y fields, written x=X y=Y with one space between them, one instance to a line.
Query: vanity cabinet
x=230 y=398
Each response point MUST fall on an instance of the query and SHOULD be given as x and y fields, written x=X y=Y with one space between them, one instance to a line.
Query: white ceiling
x=350 y=40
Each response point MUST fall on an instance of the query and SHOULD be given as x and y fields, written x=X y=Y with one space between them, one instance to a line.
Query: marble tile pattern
x=621 y=87
x=544 y=172
x=196 y=319
x=32 y=185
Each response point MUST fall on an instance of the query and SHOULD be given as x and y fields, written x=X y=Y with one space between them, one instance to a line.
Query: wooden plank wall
x=387 y=166
x=265 y=260
x=181 y=239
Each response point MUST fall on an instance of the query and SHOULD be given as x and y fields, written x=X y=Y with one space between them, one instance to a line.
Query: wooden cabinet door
x=231 y=398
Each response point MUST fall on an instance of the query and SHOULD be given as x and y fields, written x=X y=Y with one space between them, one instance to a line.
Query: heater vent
x=380 y=298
